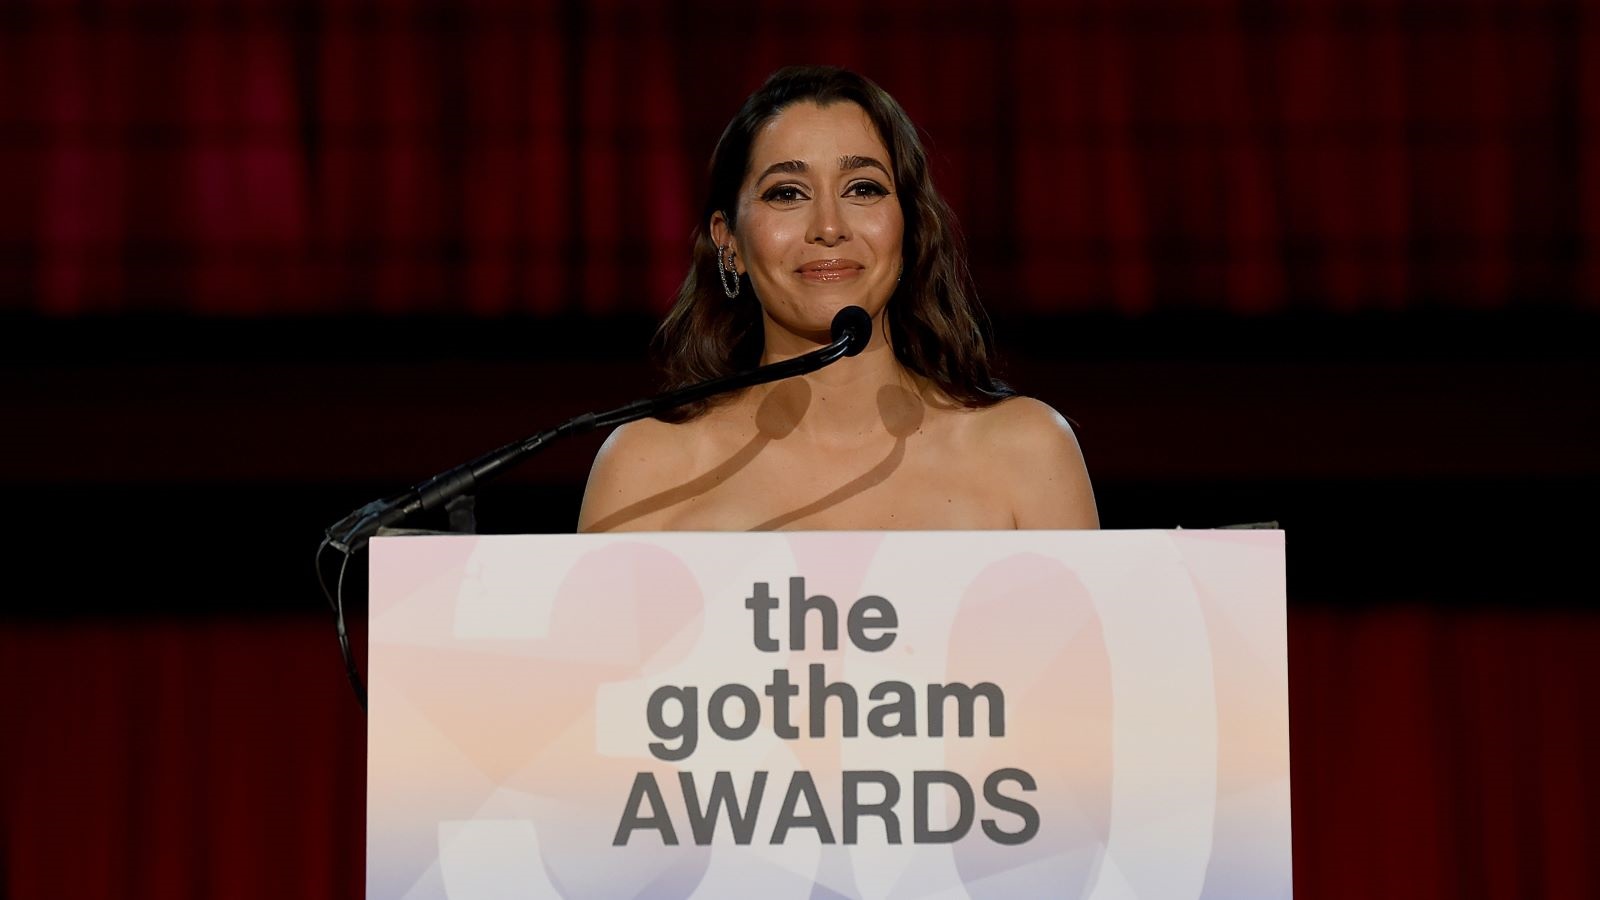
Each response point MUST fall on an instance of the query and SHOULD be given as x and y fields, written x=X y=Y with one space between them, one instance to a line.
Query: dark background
x=1335 y=265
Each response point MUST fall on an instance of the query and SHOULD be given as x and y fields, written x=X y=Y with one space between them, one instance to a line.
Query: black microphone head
x=854 y=324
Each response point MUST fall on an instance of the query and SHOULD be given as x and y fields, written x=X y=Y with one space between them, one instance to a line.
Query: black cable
x=344 y=638
x=322 y=580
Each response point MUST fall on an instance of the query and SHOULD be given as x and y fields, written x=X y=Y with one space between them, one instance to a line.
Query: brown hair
x=937 y=327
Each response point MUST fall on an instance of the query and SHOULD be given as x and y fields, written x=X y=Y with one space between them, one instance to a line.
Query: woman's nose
x=827 y=222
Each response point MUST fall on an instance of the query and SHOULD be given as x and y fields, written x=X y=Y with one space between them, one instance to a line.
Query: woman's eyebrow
x=847 y=163
x=850 y=163
x=789 y=166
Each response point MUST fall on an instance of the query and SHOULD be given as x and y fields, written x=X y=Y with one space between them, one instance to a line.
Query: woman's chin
x=808 y=313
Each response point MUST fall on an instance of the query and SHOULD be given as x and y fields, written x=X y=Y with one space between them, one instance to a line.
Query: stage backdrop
x=254 y=160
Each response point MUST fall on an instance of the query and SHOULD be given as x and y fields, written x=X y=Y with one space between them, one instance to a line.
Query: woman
x=821 y=199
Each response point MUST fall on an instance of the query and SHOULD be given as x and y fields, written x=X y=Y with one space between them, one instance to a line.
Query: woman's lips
x=830 y=270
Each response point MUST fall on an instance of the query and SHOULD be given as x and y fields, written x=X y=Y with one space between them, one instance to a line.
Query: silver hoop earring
x=724 y=269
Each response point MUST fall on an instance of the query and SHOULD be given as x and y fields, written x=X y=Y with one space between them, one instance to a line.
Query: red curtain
x=491 y=158
x=1435 y=754
x=496 y=157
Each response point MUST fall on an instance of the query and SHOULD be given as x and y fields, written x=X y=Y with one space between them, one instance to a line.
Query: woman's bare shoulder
x=1037 y=463
x=636 y=461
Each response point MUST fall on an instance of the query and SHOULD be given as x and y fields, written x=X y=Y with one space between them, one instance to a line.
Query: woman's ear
x=722 y=237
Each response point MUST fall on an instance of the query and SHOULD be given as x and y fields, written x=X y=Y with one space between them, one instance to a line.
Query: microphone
x=851 y=331
x=854 y=326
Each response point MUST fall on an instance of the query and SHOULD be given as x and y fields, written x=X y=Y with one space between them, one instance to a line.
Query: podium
x=837 y=714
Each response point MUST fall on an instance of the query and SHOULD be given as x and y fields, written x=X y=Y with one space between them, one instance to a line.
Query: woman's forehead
x=816 y=135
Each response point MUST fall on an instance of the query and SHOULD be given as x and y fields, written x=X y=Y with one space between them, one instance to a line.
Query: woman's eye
x=867 y=189
x=783 y=193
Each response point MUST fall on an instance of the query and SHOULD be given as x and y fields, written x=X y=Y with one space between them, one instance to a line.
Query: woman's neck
x=849 y=403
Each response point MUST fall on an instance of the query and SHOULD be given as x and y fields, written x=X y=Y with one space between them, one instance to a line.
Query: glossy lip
x=830 y=270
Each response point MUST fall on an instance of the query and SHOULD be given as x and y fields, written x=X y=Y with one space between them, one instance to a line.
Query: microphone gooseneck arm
x=851 y=331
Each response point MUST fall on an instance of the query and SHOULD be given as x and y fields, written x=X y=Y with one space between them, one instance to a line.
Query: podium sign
x=829 y=714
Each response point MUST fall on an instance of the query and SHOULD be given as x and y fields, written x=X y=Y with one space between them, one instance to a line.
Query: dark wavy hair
x=936 y=325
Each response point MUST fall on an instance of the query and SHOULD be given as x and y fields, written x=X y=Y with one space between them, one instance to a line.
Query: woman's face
x=819 y=222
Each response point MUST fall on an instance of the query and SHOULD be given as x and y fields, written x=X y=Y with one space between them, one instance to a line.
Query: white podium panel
x=829 y=714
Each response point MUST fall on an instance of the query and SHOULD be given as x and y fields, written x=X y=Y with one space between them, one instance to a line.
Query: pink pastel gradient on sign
x=1028 y=625
x=458 y=726
x=525 y=744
